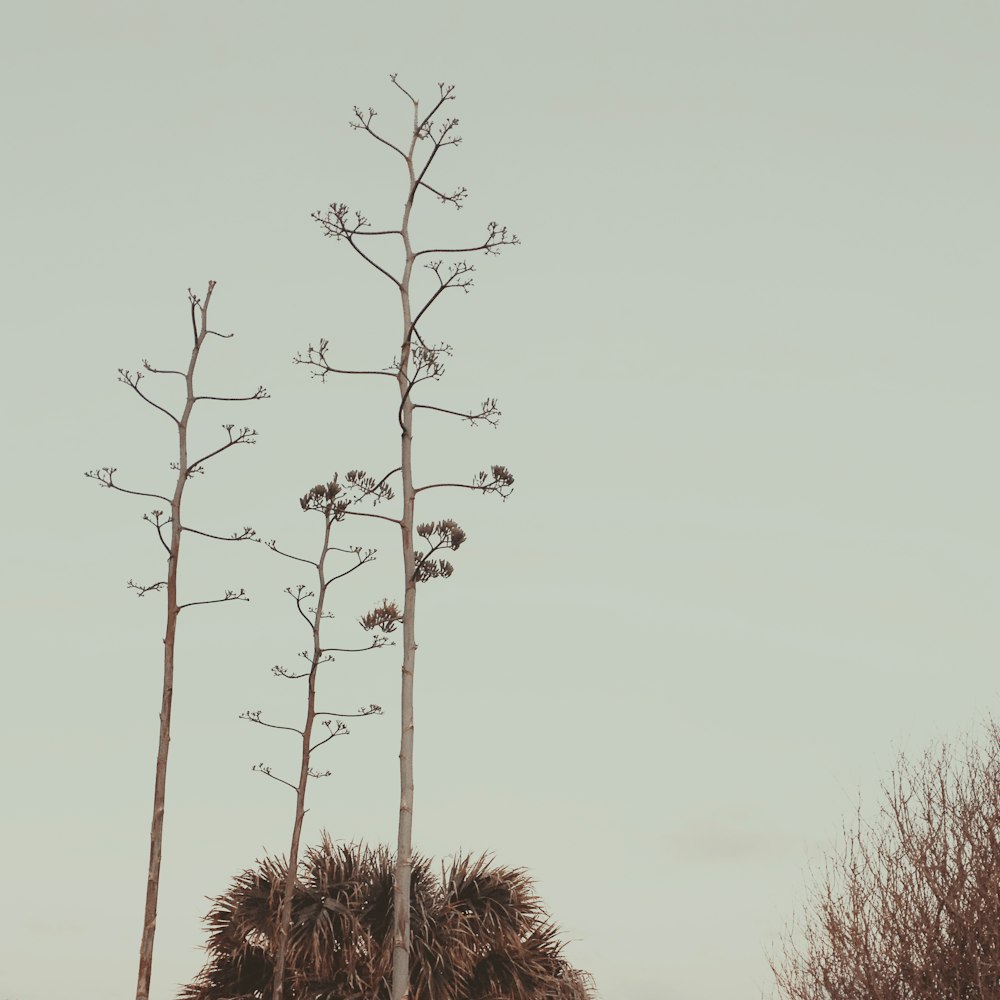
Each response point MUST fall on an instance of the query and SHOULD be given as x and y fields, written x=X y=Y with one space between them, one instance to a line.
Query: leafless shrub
x=909 y=908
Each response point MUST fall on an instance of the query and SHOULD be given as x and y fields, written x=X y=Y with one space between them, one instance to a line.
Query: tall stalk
x=417 y=362
x=174 y=528
x=404 y=832
x=333 y=501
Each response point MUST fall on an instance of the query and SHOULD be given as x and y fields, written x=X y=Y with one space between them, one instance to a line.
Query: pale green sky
x=747 y=358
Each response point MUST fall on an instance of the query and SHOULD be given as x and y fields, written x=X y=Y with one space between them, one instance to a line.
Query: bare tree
x=418 y=362
x=908 y=908
x=333 y=500
x=169 y=530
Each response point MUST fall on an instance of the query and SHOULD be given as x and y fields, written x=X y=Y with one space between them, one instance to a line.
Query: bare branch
x=246 y=535
x=496 y=239
x=362 y=559
x=364 y=123
x=440 y=141
x=455 y=279
x=361 y=713
x=316 y=358
x=377 y=642
x=157 y=519
x=161 y=371
x=399 y=86
x=447 y=93
x=280 y=671
x=231 y=595
x=455 y=198
x=195 y=302
x=364 y=513
x=265 y=769
x=144 y=589
x=105 y=476
x=272 y=545
x=334 y=223
x=501 y=482
x=132 y=380
x=254 y=716
x=427 y=365
x=259 y=393
x=316 y=746
x=299 y=595
x=245 y=435
x=339 y=730
x=488 y=412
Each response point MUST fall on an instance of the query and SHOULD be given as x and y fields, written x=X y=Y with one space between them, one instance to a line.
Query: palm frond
x=480 y=932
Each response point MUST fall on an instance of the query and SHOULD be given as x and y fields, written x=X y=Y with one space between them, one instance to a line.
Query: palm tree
x=479 y=933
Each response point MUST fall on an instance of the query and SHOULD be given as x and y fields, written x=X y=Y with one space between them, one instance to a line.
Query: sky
x=746 y=355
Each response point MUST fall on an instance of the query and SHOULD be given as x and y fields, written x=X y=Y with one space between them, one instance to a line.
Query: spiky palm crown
x=480 y=932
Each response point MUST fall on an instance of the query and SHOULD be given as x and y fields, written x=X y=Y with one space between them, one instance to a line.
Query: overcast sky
x=747 y=359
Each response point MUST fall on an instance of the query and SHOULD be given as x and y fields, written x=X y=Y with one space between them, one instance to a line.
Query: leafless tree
x=908 y=908
x=333 y=500
x=418 y=362
x=169 y=530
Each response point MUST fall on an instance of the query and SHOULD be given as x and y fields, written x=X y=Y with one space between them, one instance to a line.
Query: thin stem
x=245 y=436
x=169 y=646
x=291 y=875
x=381 y=517
x=133 y=383
x=247 y=535
x=218 y=600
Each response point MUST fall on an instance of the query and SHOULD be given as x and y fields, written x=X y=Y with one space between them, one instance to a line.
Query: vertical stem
x=291 y=875
x=404 y=839
x=160 y=781
x=166 y=702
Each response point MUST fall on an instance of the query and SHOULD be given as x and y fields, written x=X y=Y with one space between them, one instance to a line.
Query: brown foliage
x=479 y=933
x=909 y=907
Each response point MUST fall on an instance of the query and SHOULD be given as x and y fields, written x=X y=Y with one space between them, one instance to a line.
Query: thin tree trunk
x=169 y=641
x=404 y=838
x=415 y=364
x=291 y=875
x=160 y=782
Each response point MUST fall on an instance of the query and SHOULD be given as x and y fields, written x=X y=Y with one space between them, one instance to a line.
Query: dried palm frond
x=479 y=933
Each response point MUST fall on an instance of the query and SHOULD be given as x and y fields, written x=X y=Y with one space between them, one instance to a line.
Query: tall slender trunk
x=404 y=838
x=416 y=363
x=166 y=702
x=291 y=875
x=160 y=782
